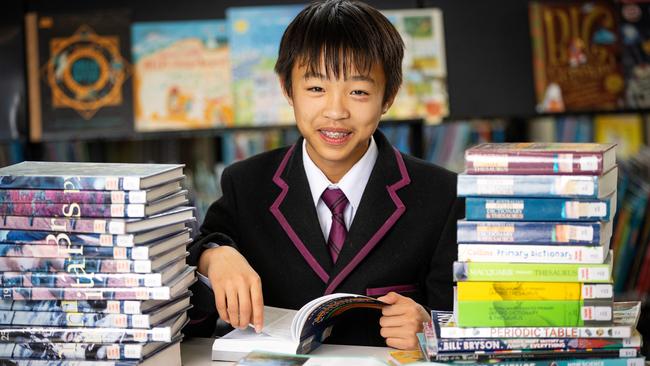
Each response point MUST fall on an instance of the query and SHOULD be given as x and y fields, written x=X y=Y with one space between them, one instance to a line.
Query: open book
x=291 y=331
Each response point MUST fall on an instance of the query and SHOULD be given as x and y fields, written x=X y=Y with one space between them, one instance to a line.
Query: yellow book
x=397 y=358
x=532 y=291
x=626 y=130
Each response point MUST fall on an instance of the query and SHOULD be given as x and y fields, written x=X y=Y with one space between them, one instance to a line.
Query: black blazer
x=402 y=238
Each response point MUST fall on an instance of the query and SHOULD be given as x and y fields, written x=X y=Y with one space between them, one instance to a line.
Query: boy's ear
x=387 y=105
x=284 y=92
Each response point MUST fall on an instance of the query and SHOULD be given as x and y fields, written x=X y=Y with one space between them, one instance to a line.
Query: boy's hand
x=401 y=319
x=237 y=287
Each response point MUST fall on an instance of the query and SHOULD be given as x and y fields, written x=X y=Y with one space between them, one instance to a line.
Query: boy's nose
x=335 y=108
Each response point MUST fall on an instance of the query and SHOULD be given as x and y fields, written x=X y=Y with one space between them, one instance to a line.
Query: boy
x=341 y=210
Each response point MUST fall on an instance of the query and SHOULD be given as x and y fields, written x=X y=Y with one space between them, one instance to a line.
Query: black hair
x=347 y=35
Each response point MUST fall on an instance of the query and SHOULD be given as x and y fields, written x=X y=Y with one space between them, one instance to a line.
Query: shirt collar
x=353 y=182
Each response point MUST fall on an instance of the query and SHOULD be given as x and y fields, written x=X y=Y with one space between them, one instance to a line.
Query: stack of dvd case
x=534 y=275
x=92 y=263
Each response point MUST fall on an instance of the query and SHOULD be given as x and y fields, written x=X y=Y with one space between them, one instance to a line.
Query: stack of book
x=92 y=263
x=534 y=267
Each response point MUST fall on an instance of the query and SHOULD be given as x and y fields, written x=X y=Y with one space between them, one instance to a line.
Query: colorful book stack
x=92 y=263
x=534 y=266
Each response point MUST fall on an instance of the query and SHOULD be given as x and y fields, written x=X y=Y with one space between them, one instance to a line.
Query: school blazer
x=402 y=238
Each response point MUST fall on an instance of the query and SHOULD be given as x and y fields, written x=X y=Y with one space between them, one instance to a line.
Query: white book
x=291 y=331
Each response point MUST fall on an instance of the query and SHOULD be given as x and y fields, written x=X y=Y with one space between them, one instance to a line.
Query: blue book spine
x=538 y=209
x=579 y=233
x=50 y=237
x=528 y=185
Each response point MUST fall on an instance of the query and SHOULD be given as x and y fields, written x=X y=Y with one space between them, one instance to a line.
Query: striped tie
x=336 y=201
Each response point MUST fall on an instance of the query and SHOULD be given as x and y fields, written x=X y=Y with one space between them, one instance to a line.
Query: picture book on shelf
x=182 y=76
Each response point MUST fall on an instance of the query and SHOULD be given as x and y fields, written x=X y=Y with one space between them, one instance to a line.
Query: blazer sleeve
x=439 y=280
x=219 y=227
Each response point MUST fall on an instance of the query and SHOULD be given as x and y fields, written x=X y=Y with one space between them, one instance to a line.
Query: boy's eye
x=359 y=93
x=316 y=89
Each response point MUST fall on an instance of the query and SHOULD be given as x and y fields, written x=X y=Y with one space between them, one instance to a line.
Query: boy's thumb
x=389 y=298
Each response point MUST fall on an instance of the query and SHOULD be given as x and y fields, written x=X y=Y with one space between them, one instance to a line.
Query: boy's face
x=337 y=117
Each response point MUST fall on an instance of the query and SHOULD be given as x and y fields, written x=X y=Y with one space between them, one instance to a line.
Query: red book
x=540 y=158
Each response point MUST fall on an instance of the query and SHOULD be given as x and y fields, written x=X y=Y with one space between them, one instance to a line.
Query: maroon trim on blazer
x=196 y=321
x=275 y=210
x=399 y=211
x=380 y=291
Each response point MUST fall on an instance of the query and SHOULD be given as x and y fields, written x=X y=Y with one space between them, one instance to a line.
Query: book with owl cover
x=79 y=74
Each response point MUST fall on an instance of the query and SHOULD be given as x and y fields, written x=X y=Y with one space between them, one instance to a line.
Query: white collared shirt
x=352 y=184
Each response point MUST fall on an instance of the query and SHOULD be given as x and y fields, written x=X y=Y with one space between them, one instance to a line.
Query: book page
x=277 y=322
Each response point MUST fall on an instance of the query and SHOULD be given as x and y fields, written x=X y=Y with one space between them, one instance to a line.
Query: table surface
x=198 y=352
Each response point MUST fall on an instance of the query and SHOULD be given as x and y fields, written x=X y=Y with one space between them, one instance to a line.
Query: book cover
x=66 y=250
x=540 y=209
x=543 y=186
x=424 y=71
x=116 y=226
x=542 y=232
x=182 y=76
x=634 y=16
x=626 y=130
x=88 y=197
x=254 y=34
x=92 y=209
x=489 y=290
x=75 y=240
x=533 y=313
x=79 y=74
x=517 y=345
x=90 y=306
x=575 y=56
x=87 y=176
x=164 y=332
x=534 y=272
x=445 y=326
x=76 y=280
x=540 y=158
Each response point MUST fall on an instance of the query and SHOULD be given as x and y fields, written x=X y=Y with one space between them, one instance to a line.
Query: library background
x=192 y=82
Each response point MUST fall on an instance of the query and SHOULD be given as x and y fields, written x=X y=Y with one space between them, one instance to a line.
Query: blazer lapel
x=378 y=211
x=296 y=214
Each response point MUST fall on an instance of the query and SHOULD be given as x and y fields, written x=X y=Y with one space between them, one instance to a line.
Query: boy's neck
x=336 y=170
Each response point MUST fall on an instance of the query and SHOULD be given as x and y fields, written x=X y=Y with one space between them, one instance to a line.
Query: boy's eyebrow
x=318 y=75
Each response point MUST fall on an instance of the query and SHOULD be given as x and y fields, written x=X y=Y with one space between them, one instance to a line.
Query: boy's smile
x=337 y=117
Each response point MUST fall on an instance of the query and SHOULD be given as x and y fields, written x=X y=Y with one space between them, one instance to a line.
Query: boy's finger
x=220 y=300
x=258 y=307
x=244 y=298
x=232 y=304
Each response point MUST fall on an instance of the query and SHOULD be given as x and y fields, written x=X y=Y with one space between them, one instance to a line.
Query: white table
x=197 y=352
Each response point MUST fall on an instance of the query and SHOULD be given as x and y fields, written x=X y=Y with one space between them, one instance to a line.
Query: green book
x=534 y=272
x=532 y=313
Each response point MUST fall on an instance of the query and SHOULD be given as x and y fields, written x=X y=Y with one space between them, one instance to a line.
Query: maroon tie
x=336 y=201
